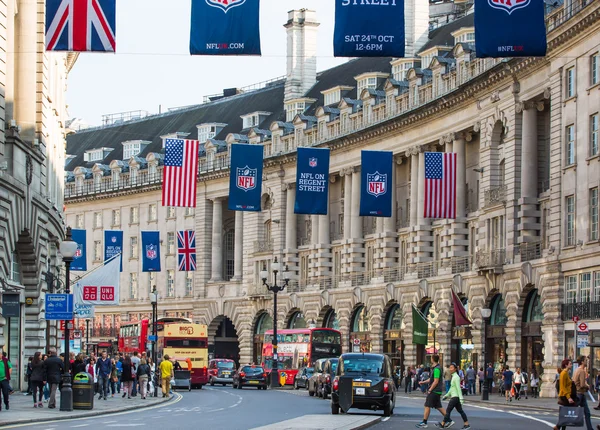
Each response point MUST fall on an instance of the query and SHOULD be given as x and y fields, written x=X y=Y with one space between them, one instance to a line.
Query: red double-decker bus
x=298 y=348
x=134 y=336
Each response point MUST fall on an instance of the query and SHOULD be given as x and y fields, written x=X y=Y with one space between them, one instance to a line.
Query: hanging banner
x=225 y=27
x=369 y=29
x=376 y=183
x=100 y=287
x=460 y=313
x=510 y=28
x=420 y=327
x=245 y=177
x=312 y=181
x=150 y=251
x=80 y=258
x=113 y=245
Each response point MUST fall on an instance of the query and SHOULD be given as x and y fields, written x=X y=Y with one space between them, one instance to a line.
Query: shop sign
x=495 y=331
x=11 y=306
x=392 y=334
x=462 y=332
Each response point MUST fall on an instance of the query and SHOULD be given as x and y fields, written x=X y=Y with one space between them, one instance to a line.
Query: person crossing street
x=456 y=402
x=434 y=392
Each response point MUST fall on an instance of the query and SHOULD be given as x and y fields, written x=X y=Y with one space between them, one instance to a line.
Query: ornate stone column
x=217 y=241
x=413 y=155
x=356 y=221
x=421 y=232
x=323 y=247
x=291 y=240
x=347 y=202
x=238 y=249
x=388 y=242
x=458 y=233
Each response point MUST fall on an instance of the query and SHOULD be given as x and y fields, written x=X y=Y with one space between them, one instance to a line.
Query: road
x=224 y=408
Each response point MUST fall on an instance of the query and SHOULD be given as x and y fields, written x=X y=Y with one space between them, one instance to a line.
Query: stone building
x=32 y=158
x=524 y=243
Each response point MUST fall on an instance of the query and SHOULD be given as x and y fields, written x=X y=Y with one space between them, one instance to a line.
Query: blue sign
x=228 y=27
x=245 y=177
x=312 y=181
x=152 y=338
x=80 y=258
x=369 y=29
x=113 y=245
x=376 y=183
x=59 y=307
x=510 y=28
x=150 y=251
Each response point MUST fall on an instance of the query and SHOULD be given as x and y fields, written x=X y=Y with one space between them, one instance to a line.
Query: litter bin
x=83 y=391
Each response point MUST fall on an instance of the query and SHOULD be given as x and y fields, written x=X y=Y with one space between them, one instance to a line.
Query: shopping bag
x=591 y=396
x=512 y=392
x=570 y=416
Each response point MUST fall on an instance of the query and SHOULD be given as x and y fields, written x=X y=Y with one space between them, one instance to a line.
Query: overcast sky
x=153 y=67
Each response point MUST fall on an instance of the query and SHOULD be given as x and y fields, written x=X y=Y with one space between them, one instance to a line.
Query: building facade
x=524 y=243
x=32 y=157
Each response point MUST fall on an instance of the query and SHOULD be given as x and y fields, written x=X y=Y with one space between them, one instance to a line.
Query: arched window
x=360 y=322
x=534 y=307
x=394 y=318
x=264 y=323
x=498 y=311
x=297 y=320
x=331 y=321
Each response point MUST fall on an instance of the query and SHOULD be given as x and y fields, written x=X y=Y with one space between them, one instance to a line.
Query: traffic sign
x=152 y=338
x=356 y=341
x=59 y=307
x=575 y=318
x=62 y=324
x=582 y=327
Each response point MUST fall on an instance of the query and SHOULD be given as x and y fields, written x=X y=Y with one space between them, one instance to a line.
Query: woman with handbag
x=567 y=394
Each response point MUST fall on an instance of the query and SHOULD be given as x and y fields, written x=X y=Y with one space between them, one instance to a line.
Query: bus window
x=185 y=343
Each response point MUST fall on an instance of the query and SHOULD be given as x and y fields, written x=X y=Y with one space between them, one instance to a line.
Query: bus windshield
x=326 y=336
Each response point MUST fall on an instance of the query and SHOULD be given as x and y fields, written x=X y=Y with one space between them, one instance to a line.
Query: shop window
x=297 y=321
x=360 y=322
x=498 y=312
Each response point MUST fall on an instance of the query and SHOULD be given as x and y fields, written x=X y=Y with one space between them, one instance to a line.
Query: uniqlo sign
x=100 y=294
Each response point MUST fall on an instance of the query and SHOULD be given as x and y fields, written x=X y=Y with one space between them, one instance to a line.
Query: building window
x=595 y=68
x=594 y=135
x=570 y=221
x=171 y=212
x=206 y=132
x=586 y=291
x=597 y=286
x=133 y=285
x=366 y=83
x=15 y=268
x=594 y=214
x=585 y=287
x=134 y=215
x=116 y=217
x=190 y=211
x=131 y=150
x=133 y=247
x=97 y=219
x=189 y=284
x=332 y=97
x=170 y=283
x=97 y=250
x=152 y=212
x=171 y=243
x=570 y=137
x=79 y=221
x=571 y=289
x=570 y=82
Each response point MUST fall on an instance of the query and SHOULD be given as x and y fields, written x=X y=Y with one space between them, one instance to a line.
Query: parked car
x=372 y=382
x=325 y=378
x=313 y=381
x=302 y=377
x=220 y=371
x=250 y=376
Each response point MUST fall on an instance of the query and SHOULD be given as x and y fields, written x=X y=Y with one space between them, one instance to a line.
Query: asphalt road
x=217 y=408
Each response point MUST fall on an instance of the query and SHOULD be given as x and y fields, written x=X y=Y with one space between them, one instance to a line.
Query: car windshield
x=252 y=370
x=334 y=366
x=225 y=364
x=363 y=365
x=310 y=371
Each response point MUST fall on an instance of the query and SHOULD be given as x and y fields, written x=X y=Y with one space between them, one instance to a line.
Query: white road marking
x=385 y=419
x=126 y=425
x=529 y=417
x=80 y=425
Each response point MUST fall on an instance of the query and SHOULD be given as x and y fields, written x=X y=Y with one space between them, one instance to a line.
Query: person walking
x=489 y=377
x=447 y=378
x=566 y=396
x=518 y=383
x=37 y=379
x=79 y=365
x=580 y=379
x=54 y=368
x=115 y=385
x=143 y=374
x=534 y=385
x=28 y=375
x=135 y=361
x=456 y=402
x=127 y=377
x=434 y=392
x=507 y=382
x=480 y=378
x=166 y=373
x=408 y=380
x=103 y=370
x=471 y=380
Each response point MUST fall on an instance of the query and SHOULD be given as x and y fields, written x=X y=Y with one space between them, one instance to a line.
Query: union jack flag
x=186 y=250
x=80 y=25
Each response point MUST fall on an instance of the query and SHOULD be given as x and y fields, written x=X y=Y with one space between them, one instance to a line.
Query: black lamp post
x=67 y=249
x=274 y=288
x=154 y=301
x=485 y=392
x=87 y=336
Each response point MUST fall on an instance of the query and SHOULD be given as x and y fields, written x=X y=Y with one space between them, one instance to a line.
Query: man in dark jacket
x=54 y=367
x=103 y=371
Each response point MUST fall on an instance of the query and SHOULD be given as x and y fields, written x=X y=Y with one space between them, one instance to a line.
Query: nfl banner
x=369 y=29
x=225 y=27
x=80 y=258
x=312 y=181
x=510 y=28
x=100 y=287
x=245 y=177
x=113 y=245
x=376 y=183
x=150 y=251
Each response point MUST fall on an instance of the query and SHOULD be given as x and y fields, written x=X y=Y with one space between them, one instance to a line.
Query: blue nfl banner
x=369 y=28
x=245 y=177
x=113 y=245
x=312 y=181
x=80 y=258
x=150 y=251
x=376 y=183
x=510 y=28
x=225 y=27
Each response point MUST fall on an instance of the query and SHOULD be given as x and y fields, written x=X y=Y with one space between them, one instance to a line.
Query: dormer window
x=400 y=69
x=464 y=35
x=209 y=131
x=96 y=154
x=254 y=119
x=133 y=148
x=367 y=83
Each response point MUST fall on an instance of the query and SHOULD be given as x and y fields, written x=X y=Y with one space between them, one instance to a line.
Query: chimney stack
x=301 y=53
x=417 y=25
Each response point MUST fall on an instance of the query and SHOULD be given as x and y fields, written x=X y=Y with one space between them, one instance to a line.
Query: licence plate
x=252 y=382
x=360 y=391
x=361 y=384
x=226 y=373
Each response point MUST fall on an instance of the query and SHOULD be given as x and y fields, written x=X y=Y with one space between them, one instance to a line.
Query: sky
x=152 y=66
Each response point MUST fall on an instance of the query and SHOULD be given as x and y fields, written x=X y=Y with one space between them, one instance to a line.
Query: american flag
x=80 y=25
x=440 y=185
x=186 y=250
x=180 y=173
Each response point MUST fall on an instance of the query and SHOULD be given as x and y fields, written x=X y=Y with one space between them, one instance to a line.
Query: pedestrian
x=54 y=368
x=425 y=377
x=518 y=383
x=489 y=376
x=408 y=380
x=103 y=370
x=580 y=379
x=28 y=375
x=480 y=378
x=143 y=375
x=456 y=401
x=119 y=367
x=79 y=365
x=153 y=376
x=534 y=384
x=526 y=382
x=447 y=378
x=5 y=371
x=127 y=377
x=166 y=374
x=37 y=379
x=434 y=392
x=557 y=381
x=91 y=369
x=507 y=382
x=135 y=361
x=471 y=380
x=115 y=385
x=566 y=394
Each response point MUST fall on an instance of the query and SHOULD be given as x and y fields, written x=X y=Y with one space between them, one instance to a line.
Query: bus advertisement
x=186 y=343
x=300 y=348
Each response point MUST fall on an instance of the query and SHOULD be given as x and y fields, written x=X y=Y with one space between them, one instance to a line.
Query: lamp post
x=485 y=393
x=87 y=336
x=67 y=249
x=154 y=301
x=274 y=288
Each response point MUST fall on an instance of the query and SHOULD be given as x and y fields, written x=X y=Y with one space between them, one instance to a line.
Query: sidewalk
x=22 y=410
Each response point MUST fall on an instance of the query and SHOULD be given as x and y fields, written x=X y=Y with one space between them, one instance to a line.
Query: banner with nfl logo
x=80 y=258
x=150 y=251
x=376 y=183
x=312 y=181
x=245 y=177
x=510 y=28
x=113 y=245
x=225 y=27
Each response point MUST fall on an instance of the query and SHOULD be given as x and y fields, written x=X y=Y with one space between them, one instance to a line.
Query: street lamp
x=87 y=336
x=485 y=393
x=67 y=249
x=275 y=289
x=154 y=301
